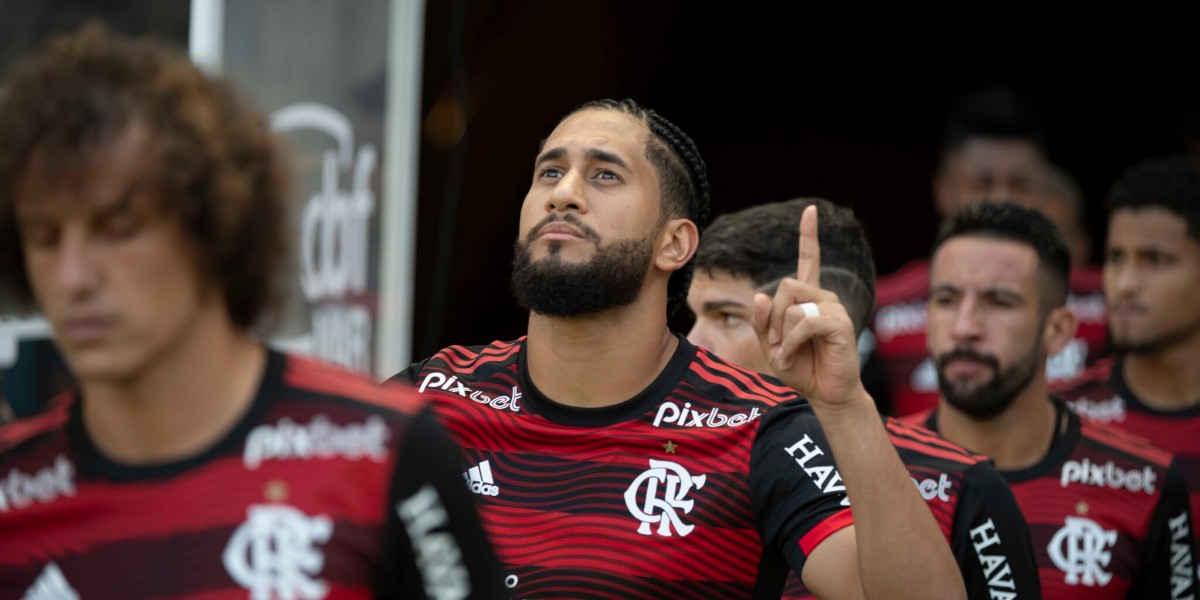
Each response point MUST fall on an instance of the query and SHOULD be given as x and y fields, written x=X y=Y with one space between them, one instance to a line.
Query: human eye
x=942 y=299
x=38 y=235
x=550 y=172
x=607 y=175
x=730 y=320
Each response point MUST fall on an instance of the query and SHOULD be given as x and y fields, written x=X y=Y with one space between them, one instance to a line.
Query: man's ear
x=1059 y=330
x=677 y=243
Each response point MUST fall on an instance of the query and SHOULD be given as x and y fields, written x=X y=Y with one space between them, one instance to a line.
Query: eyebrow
x=590 y=154
x=714 y=306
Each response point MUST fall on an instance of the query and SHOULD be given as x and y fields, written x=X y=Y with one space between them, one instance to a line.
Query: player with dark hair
x=1106 y=510
x=614 y=459
x=965 y=493
x=993 y=149
x=1151 y=387
x=142 y=210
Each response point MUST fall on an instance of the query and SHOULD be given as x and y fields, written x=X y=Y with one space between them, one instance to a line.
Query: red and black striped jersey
x=975 y=510
x=710 y=483
x=898 y=326
x=1101 y=395
x=1107 y=513
x=328 y=487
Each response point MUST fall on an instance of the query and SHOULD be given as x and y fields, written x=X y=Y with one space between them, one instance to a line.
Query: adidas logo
x=51 y=585
x=479 y=479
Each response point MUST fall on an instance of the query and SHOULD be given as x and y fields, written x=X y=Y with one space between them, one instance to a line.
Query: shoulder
x=47 y=422
x=1096 y=377
x=915 y=443
x=719 y=380
x=1112 y=441
x=468 y=359
x=325 y=383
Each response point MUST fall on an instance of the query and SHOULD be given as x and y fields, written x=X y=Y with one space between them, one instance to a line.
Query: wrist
x=858 y=408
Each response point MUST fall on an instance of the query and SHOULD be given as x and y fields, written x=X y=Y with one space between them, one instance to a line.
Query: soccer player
x=750 y=250
x=615 y=458
x=1108 y=513
x=142 y=209
x=1152 y=282
x=992 y=150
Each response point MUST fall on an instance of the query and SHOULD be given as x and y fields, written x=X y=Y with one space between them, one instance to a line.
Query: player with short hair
x=142 y=210
x=993 y=149
x=749 y=250
x=1108 y=513
x=624 y=462
x=1151 y=387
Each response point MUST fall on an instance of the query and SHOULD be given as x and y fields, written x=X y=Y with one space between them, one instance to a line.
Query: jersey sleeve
x=991 y=539
x=436 y=546
x=796 y=492
x=1166 y=567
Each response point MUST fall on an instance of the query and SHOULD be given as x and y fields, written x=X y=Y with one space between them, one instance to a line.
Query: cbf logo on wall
x=334 y=240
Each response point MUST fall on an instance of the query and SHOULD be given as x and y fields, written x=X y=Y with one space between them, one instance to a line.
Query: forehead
x=980 y=262
x=998 y=154
x=601 y=129
x=720 y=287
x=1151 y=224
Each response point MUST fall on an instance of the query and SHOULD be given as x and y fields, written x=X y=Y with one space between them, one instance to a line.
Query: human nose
x=698 y=336
x=967 y=321
x=75 y=268
x=568 y=194
x=1121 y=279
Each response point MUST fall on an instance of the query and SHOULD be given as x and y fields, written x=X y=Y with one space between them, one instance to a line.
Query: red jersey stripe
x=836 y=522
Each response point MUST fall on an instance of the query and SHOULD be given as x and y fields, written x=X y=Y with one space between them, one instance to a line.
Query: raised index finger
x=808 y=265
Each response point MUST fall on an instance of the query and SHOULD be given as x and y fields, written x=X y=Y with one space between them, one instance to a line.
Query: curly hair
x=682 y=179
x=218 y=168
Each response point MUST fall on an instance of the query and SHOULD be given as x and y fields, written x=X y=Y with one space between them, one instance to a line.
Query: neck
x=1168 y=379
x=599 y=360
x=1016 y=439
x=183 y=402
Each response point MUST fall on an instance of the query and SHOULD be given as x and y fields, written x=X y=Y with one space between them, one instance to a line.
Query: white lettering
x=319 y=439
x=826 y=478
x=1110 y=410
x=931 y=489
x=904 y=319
x=996 y=569
x=1181 y=557
x=19 y=489
x=438 y=556
x=1108 y=475
x=685 y=416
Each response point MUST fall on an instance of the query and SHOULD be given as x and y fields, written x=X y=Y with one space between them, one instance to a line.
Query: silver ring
x=810 y=309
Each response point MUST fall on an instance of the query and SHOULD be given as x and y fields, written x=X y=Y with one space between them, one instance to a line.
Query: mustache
x=588 y=232
x=968 y=354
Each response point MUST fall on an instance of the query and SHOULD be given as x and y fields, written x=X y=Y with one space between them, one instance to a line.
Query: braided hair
x=682 y=179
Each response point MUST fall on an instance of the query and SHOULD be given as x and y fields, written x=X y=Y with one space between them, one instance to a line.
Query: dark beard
x=988 y=401
x=552 y=287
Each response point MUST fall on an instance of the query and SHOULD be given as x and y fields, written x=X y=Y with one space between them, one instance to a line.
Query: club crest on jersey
x=824 y=476
x=686 y=416
x=319 y=438
x=439 y=381
x=276 y=553
x=1110 y=410
x=1081 y=550
x=666 y=486
x=1109 y=475
x=19 y=489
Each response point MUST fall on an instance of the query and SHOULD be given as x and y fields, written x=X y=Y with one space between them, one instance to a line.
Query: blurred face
x=724 y=306
x=989 y=169
x=115 y=276
x=590 y=220
x=1151 y=280
x=984 y=323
